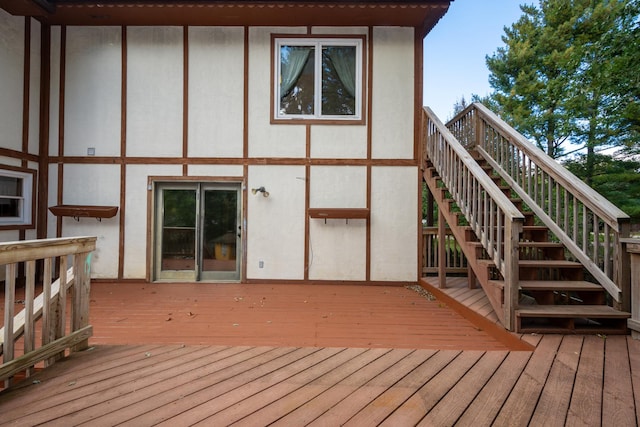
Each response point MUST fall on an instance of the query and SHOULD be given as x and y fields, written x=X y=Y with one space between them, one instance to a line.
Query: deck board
x=618 y=400
x=586 y=403
x=193 y=373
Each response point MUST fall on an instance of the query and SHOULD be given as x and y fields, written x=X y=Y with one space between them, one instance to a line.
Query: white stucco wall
x=154 y=91
x=266 y=140
x=275 y=224
x=393 y=93
x=216 y=128
x=216 y=91
x=394 y=224
x=337 y=247
x=11 y=80
x=94 y=185
x=93 y=86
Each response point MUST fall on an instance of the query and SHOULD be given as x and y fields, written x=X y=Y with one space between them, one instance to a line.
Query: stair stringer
x=494 y=294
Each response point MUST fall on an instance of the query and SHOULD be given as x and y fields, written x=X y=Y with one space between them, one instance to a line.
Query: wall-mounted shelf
x=339 y=213
x=84 y=211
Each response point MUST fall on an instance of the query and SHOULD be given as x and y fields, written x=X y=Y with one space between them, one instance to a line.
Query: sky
x=455 y=50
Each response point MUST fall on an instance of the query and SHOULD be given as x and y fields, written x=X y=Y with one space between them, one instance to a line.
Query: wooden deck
x=164 y=371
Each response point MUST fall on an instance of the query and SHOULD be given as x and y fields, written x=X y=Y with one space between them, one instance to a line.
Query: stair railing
x=46 y=310
x=495 y=220
x=587 y=224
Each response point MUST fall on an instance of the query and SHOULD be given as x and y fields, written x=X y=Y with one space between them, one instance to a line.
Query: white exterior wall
x=393 y=93
x=337 y=247
x=275 y=224
x=154 y=91
x=93 y=86
x=11 y=80
x=394 y=228
x=216 y=92
x=215 y=128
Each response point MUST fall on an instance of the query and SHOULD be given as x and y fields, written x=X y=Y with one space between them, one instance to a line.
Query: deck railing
x=587 y=224
x=48 y=309
x=494 y=219
x=632 y=247
x=455 y=261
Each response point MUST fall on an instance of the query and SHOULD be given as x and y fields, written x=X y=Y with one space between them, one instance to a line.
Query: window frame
x=317 y=41
x=26 y=219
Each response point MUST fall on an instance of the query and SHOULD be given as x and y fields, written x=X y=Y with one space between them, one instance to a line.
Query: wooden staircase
x=554 y=294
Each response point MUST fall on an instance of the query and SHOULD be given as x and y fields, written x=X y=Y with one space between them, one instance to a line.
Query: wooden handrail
x=584 y=221
x=50 y=305
x=492 y=216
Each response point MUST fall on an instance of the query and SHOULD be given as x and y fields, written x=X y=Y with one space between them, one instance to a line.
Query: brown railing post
x=632 y=251
x=442 y=251
x=81 y=291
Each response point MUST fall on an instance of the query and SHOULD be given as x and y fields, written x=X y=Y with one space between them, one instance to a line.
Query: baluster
x=29 y=322
x=8 y=347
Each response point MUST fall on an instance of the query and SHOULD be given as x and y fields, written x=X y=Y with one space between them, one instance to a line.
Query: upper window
x=318 y=79
x=16 y=189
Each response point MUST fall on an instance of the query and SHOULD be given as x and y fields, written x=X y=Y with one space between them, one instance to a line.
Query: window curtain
x=344 y=62
x=292 y=62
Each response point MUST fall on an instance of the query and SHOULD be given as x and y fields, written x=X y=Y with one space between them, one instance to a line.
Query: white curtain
x=344 y=62
x=292 y=62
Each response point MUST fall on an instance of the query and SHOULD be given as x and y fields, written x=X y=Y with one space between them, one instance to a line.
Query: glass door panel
x=220 y=233
x=198 y=233
x=177 y=233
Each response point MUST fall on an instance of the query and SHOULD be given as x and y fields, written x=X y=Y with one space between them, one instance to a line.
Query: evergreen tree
x=568 y=72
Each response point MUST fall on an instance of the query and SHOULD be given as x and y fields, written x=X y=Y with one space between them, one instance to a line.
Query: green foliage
x=568 y=72
x=616 y=179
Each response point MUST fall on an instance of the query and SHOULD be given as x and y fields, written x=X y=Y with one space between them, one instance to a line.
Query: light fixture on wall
x=264 y=192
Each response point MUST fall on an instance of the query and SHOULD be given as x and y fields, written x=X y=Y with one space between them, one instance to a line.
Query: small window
x=318 y=79
x=16 y=189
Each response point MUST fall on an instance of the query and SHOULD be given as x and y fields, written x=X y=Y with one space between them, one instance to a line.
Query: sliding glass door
x=198 y=232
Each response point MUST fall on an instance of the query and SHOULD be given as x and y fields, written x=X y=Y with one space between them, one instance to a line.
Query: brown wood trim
x=307 y=198
x=339 y=213
x=243 y=267
x=81 y=211
x=153 y=179
x=230 y=161
x=123 y=151
x=43 y=143
x=245 y=153
x=22 y=156
x=26 y=86
x=417 y=138
x=245 y=97
x=63 y=60
x=185 y=98
x=369 y=100
x=328 y=282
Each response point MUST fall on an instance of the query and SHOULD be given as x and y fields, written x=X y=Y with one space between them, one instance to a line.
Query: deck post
x=442 y=250
x=633 y=252
x=81 y=290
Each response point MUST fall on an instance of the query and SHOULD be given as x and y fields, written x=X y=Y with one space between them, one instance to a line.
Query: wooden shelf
x=84 y=211
x=339 y=213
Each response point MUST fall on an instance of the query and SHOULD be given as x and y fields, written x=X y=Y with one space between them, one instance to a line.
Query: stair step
x=571 y=318
x=561 y=285
x=573 y=311
x=548 y=263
